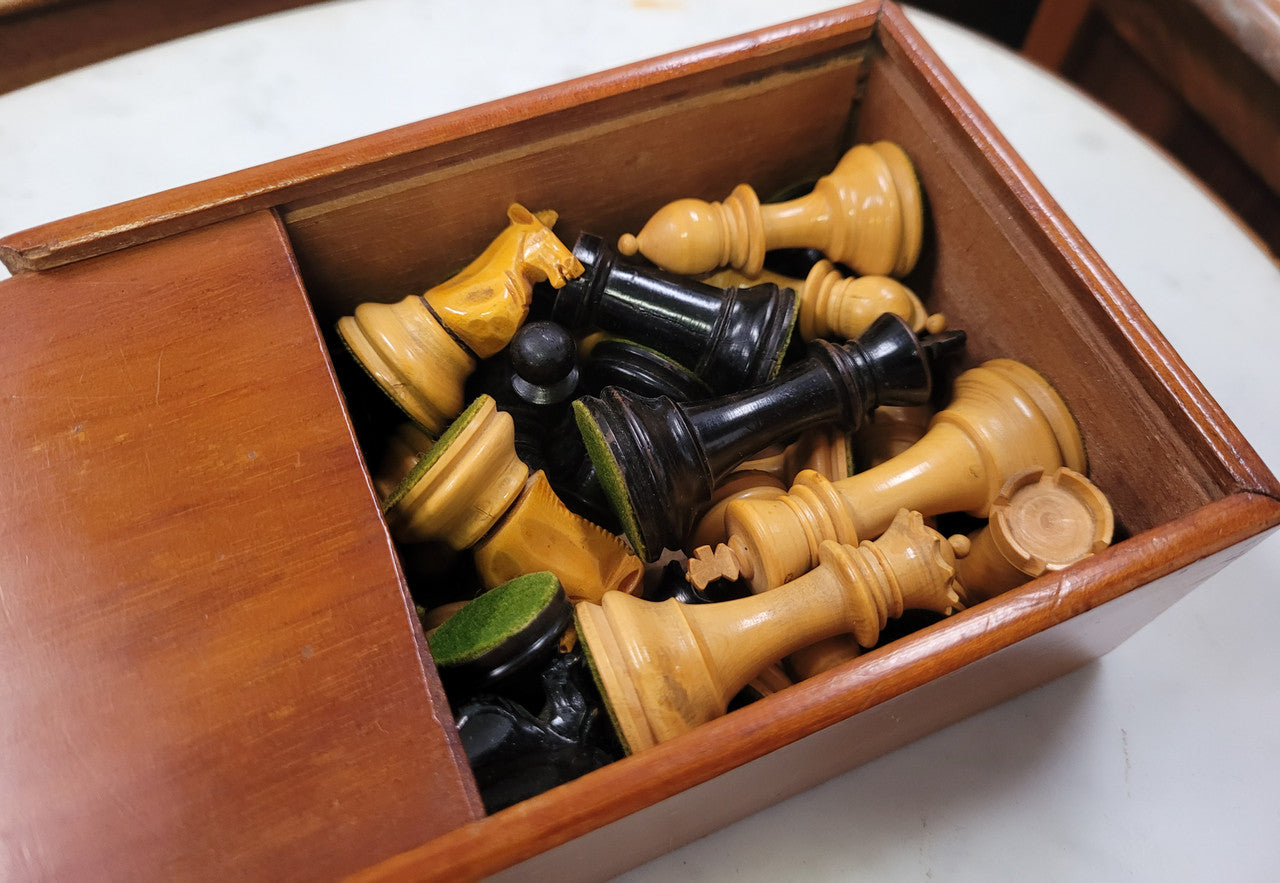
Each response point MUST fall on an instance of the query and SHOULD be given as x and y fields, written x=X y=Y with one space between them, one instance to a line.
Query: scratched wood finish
x=1000 y=261
x=207 y=665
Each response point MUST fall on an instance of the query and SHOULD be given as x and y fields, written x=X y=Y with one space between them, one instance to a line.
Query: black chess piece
x=515 y=754
x=659 y=460
x=534 y=379
x=732 y=338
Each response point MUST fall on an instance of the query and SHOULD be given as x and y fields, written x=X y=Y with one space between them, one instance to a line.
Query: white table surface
x=1159 y=762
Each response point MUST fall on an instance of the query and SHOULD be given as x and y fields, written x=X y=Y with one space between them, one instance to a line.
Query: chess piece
x=516 y=754
x=891 y=430
x=1041 y=522
x=437 y=616
x=741 y=484
x=472 y=491
x=627 y=365
x=867 y=213
x=404 y=449
x=772 y=460
x=534 y=379
x=823 y=656
x=611 y=361
x=659 y=460
x=495 y=641
x=664 y=668
x=825 y=449
x=731 y=338
x=1004 y=418
x=768 y=474
x=421 y=350
x=838 y=307
x=422 y=562
x=769 y=680
x=456 y=492
x=672 y=583
x=535 y=534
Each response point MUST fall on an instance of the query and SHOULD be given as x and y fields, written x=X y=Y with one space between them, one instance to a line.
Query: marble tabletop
x=1160 y=761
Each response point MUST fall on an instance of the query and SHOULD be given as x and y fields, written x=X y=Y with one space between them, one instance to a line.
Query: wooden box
x=210 y=661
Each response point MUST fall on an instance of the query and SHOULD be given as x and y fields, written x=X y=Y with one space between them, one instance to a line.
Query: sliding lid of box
x=206 y=658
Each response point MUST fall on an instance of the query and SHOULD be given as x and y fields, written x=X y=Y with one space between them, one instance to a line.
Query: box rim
x=302 y=176
x=605 y=795
x=1198 y=411
x=1244 y=512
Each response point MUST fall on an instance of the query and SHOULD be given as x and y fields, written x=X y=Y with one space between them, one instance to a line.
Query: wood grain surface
x=207 y=662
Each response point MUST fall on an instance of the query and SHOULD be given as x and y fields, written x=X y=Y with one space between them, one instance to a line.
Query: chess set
x=822 y=558
x=545 y=485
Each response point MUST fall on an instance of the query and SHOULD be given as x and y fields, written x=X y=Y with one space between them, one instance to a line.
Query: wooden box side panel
x=814 y=759
x=876 y=703
x=1003 y=263
x=1139 y=579
x=207 y=659
x=603 y=166
x=390 y=158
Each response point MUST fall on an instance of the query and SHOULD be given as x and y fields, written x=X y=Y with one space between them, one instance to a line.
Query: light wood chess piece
x=867 y=213
x=824 y=655
x=405 y=448
x=666 y=667
x=421 y=350
x=741 y=484
x=1040 y=523
x=471 y=491
x=1004 y=418
x=891 y=430
x=834 y=306
x=767 y=476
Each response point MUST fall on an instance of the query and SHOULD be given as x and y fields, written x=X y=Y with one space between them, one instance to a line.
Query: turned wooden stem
x=1004 y=418
x=667 y=667
x=867 y=213
x=839 y=307
x=421 y=350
